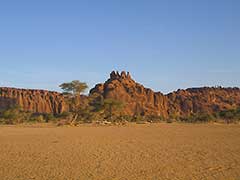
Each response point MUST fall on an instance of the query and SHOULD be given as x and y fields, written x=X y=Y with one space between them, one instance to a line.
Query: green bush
x=204 y=117
x=63 y=115
x=49 y=117
x=154 y=118
x=200 y=117
x=169 y=120
x=12 y=115
x=230 y=116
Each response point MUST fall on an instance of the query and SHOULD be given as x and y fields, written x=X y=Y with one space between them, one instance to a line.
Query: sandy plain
x=134 y=152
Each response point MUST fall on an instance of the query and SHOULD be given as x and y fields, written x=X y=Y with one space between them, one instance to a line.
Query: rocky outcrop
x=137 y=99
x=39 y=101
x=143 y=101
x=203 y=100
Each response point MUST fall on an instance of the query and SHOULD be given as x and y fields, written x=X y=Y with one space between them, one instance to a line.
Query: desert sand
x=134 y=152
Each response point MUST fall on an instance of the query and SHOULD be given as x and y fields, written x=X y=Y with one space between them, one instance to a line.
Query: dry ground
x=135 y=152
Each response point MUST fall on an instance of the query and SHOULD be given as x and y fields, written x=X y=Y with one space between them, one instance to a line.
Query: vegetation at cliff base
x=107 y=112
x=227 y=116
x=15 y=115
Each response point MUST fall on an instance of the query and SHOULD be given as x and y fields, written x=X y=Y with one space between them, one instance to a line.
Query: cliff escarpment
x=137 y=99
x=144 y=101
x=39 y=101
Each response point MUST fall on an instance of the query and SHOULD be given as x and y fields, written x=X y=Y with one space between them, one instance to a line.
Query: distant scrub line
x=15 y=115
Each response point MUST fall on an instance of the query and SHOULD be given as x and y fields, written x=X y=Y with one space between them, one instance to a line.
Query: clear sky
x=165 y=44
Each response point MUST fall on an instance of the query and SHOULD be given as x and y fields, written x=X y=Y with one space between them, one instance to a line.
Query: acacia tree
x=74 y=88
x=111 y=105
x=73 y=91
x=107 y=107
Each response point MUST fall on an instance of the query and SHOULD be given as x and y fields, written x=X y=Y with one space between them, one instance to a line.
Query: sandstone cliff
x=203 y=100
x=39 y=101
x=143 y=101
x=137 y=99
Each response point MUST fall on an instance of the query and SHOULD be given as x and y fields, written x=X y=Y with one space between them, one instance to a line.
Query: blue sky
x=165 y=44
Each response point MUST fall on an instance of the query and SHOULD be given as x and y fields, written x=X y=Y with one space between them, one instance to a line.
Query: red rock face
x=137 y=99
x=141 y=100
x=39 y=101
x=203 y=100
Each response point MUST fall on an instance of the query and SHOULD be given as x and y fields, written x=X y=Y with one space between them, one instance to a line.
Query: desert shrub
x=63 y=115
x=169 y=120
x=8 y=121
x=86 y=117
x=200 y=117
x=204 y=117
x=15 y=115
x=49 y=117
x=12 y=115
x=87 y=120
x=230 y=116
x=35 y=117
x=188 y=119
x=154 y=118
x=138 y=119
x=117 y=118
x=127 y=118
x=123 y=118
x=174 y=116
x=132 y=118
x=40 y=118
x=238 y=114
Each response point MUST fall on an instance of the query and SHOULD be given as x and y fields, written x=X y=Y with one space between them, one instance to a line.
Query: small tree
x=111 y=105
x=74 y=88
x=73 y=91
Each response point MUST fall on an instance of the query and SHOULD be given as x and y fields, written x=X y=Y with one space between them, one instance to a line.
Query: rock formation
x=143 y=101
x=39 y=101
x=137 y=99
x=203 y=100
